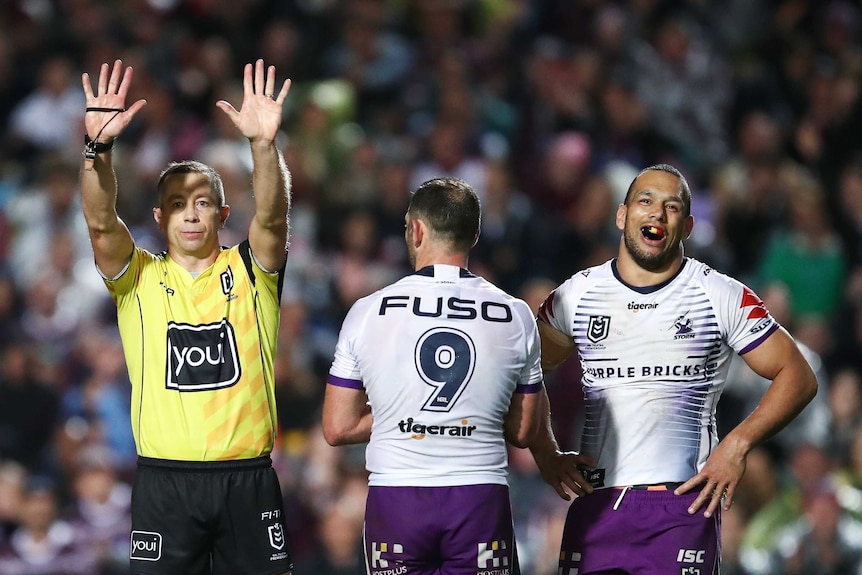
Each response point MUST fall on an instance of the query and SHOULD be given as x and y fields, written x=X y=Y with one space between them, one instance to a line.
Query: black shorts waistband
x=198 y=466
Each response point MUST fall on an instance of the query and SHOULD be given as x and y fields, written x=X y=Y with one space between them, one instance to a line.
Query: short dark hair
x=683 y=184
x=451 y=208
x=193 y=167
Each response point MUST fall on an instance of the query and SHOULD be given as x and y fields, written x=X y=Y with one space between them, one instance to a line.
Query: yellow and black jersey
x=200 y=352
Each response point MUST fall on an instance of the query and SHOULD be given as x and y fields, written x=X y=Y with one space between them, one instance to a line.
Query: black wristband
x=92 y=147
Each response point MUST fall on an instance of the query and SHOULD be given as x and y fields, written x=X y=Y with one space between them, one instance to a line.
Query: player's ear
x=688 y=226
x=622 y=209
x=157 y=216
x=417 y=226
x=224 y=212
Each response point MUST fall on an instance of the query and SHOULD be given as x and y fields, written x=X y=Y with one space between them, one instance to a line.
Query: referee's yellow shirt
x=200 y=352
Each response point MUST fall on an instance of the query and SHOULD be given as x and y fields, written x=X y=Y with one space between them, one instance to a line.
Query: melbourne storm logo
x=201 y=357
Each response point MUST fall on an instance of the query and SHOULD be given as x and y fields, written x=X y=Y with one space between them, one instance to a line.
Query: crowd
x=548 y=108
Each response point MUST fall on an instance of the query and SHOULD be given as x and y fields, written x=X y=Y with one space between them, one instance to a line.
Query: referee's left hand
x=259 y=117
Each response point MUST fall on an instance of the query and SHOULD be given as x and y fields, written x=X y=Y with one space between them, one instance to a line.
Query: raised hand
x=107 y=115
x=260 y=114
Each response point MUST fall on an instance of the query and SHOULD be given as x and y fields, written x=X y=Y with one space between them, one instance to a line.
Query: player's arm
x=793 y=386
x=346 y=415
x=556 y=345
x=521 y=423
x=104 y=120
x=559 y=469
x=259 y=119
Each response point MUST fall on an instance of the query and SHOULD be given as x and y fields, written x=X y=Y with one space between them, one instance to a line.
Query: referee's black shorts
x=197 y=518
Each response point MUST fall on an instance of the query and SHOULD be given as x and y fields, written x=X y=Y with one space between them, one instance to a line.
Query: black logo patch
x=226 y=280
x=600 y=326
x=146 y=546
x=201 y=357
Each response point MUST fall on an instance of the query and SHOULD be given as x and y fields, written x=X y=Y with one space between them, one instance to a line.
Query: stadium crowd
x=548 y=108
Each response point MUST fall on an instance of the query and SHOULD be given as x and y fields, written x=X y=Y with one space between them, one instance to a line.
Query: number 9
x=445 y=359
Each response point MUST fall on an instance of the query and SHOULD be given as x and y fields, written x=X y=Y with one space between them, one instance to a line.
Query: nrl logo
x=276 y=536
x=599 y=328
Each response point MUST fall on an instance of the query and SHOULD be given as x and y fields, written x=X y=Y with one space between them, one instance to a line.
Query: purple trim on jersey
x=646 y=289
x=429 y=272
x=528 y=388
x=759 y=340
x=344 y=382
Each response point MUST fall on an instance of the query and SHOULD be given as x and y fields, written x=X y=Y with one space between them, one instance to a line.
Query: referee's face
x=190 y=216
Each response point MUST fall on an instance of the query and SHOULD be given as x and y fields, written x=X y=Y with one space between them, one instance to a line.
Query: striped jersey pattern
x=655 y=361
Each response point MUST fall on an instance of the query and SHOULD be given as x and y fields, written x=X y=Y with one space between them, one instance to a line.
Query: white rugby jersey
x=655 y=361
x=440 y=354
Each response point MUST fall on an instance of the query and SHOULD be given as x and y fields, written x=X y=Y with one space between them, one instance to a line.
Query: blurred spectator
x=339 y=532
x=101 y=398
x=52 y=206
x=825 y=540
x=811 y=471
x=565 y=171
x=100 y=512
x=43 y=544
x=448 y=152
x=356 y=267
x=849 y=488
x=844 y=394
x=689 y=109
x=807 y=257
x=13 y=478
x=506 y=218
x=57 y=96
x=28 y=408
x=11 y=308
x=374 y=59
x=849 y=215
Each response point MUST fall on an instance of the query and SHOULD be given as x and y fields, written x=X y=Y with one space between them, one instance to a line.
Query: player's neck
x=635 y=275
x=438 y=257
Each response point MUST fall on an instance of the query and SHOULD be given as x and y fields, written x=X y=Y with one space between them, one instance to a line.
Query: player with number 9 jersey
x=437 y=372
x=439 y=354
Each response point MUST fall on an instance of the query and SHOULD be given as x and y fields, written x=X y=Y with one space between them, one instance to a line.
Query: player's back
x=440 y=354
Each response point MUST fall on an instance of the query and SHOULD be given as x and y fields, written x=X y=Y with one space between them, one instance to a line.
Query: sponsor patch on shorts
x=146 y=546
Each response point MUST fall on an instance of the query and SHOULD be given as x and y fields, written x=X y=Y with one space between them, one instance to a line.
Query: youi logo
x=146 y=546
x=201 y=357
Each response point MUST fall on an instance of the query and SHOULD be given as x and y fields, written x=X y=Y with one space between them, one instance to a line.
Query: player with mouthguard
x=655 y=331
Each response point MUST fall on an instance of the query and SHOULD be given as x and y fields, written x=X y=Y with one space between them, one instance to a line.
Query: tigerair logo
x=201 y=357
x=420 y=430
x=636 y=307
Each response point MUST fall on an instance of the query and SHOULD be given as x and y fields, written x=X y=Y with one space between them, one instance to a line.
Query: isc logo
x=201 y=357
x=690 y=556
